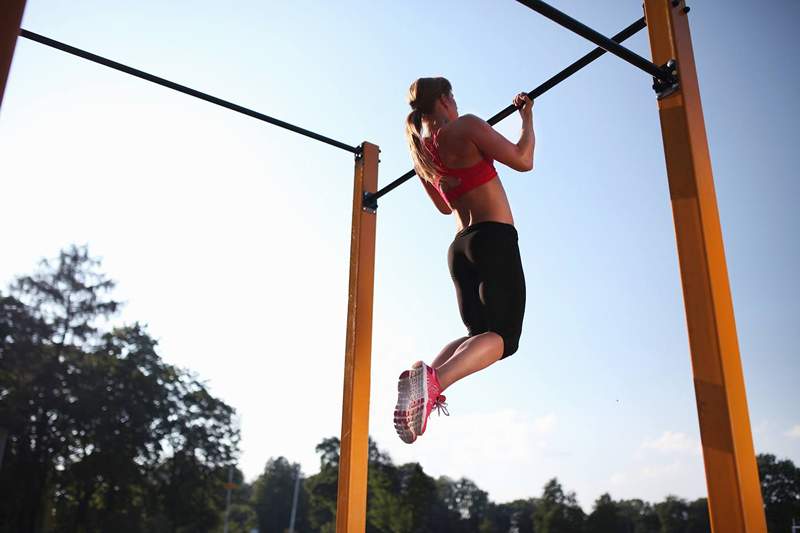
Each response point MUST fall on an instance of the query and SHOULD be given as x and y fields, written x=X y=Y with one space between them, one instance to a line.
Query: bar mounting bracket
x=369 y=203
x=669 y=83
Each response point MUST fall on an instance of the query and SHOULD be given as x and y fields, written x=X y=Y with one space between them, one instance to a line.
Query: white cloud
x=668 y=464
x=654 y=480
x=794 y=433
x=545 y=424
x=673 y=442
x=460 y=445
x=652 y=474
x=660 y=472
x=619 y=479
x=482 y=435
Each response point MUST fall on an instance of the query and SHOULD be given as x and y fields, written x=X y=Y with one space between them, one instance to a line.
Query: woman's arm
x=437 y=199
x=518 y=156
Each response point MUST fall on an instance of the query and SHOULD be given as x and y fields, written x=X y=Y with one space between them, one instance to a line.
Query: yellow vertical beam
x=351 y=504
x=734 y=495
x=10 y=20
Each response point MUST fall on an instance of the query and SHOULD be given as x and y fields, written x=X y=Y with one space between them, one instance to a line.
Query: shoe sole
x=402 y=414
x=418 y=379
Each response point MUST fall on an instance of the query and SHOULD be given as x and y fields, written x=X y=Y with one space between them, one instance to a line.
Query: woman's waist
x=464 y=221
x=487 y=203
x=495 y=226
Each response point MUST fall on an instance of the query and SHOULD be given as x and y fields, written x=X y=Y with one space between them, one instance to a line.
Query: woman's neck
x=435 y=121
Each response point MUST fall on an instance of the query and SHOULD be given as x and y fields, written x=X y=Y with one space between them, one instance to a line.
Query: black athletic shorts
x=486 y=268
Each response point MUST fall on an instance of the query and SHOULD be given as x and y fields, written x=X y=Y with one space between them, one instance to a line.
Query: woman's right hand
x=525 y=106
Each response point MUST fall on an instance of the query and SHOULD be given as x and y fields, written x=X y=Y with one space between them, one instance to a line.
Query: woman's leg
x=447 y=352
x=490 y=288
x=473 y=354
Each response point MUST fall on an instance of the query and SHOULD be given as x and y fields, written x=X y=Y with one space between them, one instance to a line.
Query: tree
x=386 y=511
x=273 y=493
x=419 y=500
x=673 y=513
x=241 y=516
x=698 y=519
x=69 y=294
x=27 y=377
x=321 y=489
x=521 y=515
x=606 y=517
x=103 y=434
x=780 y=488
x=468 y=504
x=55 y=308
x=641 y=514
x=112 y=415
x=399 y=499
x=557 y=511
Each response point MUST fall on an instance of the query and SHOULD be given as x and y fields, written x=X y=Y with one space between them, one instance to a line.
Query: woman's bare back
x=487 y=202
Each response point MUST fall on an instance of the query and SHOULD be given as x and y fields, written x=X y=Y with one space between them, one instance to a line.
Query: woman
x=453 y=156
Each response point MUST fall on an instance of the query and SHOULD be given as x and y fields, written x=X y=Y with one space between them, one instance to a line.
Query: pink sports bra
x=455 y=182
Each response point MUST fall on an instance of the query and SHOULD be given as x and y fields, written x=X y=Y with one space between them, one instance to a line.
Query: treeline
x=403 y=499
x=98 y=433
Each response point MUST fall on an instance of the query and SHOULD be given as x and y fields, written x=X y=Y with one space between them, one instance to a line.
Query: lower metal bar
x=183 y=89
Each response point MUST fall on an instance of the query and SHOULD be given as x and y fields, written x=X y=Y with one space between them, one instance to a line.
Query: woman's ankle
x=443 y=384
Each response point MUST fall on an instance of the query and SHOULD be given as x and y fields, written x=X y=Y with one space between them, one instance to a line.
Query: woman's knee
x=510 y=343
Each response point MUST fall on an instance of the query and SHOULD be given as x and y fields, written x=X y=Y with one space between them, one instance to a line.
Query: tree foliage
x=102 y=433
x=780 y=487
x=557 y=511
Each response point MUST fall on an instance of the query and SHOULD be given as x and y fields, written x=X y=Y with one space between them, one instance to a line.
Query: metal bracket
x=666 y=88
x=369 y=203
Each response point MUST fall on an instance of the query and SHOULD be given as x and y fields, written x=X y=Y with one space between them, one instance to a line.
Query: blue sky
x=230 y=237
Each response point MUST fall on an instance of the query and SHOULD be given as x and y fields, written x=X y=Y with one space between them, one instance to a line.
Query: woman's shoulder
x=467 y=125
x=463 y=126
x=469 y=121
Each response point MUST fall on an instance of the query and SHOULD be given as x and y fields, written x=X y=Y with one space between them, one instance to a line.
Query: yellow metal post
x=351 y=504
x=734 y=495
x=10 y=20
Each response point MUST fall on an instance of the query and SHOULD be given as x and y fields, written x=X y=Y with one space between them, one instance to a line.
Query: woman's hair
x=422 y=96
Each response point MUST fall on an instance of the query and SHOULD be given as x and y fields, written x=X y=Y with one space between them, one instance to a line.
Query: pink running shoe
x=424 y=396
x=402 y=411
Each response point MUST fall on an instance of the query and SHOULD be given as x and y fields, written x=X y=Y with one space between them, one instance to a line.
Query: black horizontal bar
x=183 y=89
x=628 y=32
x=392 y=186
x=538 y=91
x=598 y=38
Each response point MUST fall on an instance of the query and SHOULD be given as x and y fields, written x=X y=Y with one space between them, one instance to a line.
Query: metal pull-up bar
x=609 y=45
x=371 y=199
x=628 y=32
x=183 y=89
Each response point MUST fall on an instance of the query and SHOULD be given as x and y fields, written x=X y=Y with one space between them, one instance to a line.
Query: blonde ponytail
x=422 y=96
